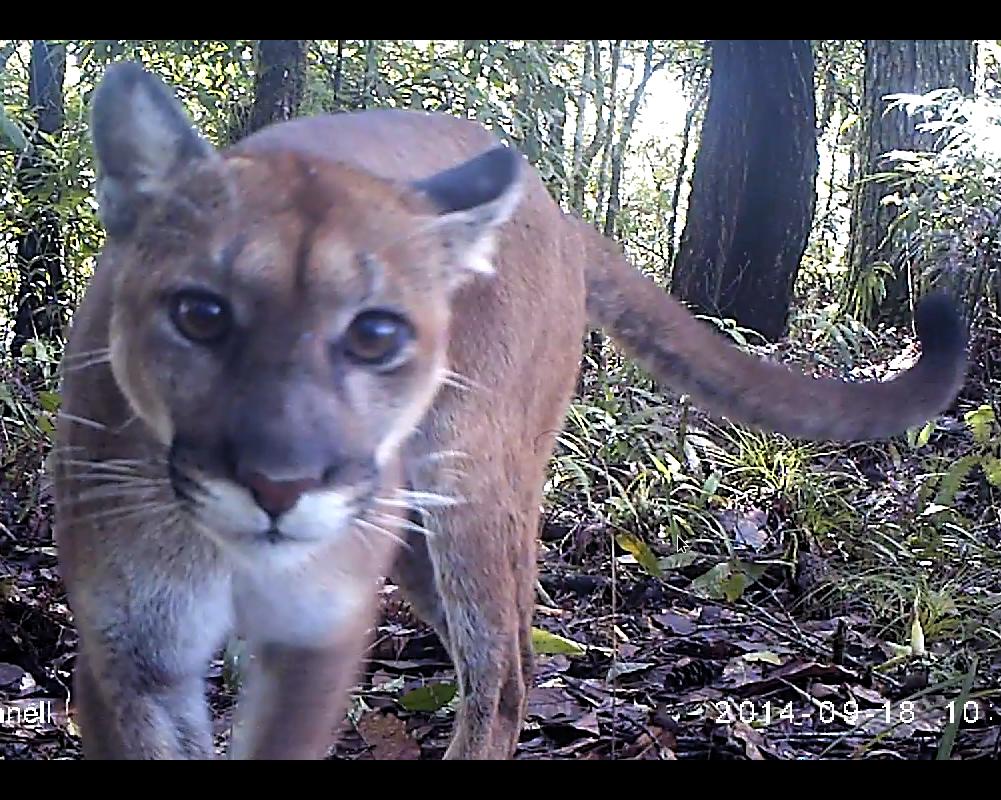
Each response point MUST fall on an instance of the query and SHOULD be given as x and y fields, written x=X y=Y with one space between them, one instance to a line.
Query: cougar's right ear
x=142 y=137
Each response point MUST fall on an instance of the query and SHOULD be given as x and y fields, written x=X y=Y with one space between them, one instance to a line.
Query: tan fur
x=296 y=225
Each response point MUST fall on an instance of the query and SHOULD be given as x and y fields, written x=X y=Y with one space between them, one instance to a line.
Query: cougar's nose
x=277 y=497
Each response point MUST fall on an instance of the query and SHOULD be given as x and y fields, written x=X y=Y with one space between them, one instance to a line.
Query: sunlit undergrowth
x=29 y=402
x=883 y=532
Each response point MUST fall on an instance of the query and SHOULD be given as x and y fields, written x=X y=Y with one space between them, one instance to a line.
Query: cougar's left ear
x=473 y=200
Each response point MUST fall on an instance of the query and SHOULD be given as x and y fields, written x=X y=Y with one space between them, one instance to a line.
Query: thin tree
x=619 y=149
x=40 y=306
x=894 y=66
x=698 y=97
x=279 y=82
x=584 y=154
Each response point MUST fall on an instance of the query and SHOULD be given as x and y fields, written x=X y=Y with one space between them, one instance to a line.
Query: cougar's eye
x=376 y=338
x=200 y=316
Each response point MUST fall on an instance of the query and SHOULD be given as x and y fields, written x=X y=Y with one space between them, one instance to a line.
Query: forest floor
x=639 y=664
x=689 y=679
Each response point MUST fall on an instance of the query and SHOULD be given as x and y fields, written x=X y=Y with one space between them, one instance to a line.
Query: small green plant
x=985 y=456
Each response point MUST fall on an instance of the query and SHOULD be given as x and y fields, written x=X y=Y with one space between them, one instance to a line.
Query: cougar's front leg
x=307 y=630
x=294 y=698
x=139 y=689
x=484 y=565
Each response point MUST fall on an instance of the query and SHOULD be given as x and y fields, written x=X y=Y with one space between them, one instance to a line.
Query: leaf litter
x=641 y=654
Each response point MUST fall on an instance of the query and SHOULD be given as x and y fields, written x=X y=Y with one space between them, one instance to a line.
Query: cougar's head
x=279 y=323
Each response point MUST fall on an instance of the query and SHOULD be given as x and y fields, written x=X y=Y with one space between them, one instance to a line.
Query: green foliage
x=432 y=697
x=949 y=198
x=825 y=328
x=673 y=491
x=985 y=454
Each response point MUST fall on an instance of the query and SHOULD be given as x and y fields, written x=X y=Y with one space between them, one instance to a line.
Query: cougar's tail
x=680 y=350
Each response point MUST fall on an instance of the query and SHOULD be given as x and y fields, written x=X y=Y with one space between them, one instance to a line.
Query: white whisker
x=112 y=493
x=86 y=354
x=148 y=511
x=459 y=381
x=87 y=423
x=428 y=499
x=117 y=466
x=441 y=455
x=380 y=530
x=87 y=364
x=405 y=524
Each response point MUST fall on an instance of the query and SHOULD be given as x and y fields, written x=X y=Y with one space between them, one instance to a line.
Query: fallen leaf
x=546 y=643
x=588 y=723
x=432 y=697
x=641 y=552
x=753 y=741
x=766 y=656
x=798 y=672
x=749 y=530
x=620 y=668
x=656 y=743
x=556 y=663
x=700 y=695
x=679 y=560
x=738 y=673
x=710 y=583
x=387 y=736
x=675 y=623
x=13 y=677
x=869 y=695
x=384 y=682
x=727 y=580
x=407 y=666
x=552 y=704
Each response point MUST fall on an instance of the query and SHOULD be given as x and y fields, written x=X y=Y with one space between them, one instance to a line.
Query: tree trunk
x=892 y=66
x=618 y=154
x=596 y=339
x=601 y=133
x=577 y=169
x=754 y=187
x=278 y=85
x=371 y=73
x=556 y=130
x=686 y=140
x=338 y=73
x=41 y=289
x=606 y=153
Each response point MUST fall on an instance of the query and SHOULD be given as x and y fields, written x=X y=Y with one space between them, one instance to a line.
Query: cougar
x=336 y=352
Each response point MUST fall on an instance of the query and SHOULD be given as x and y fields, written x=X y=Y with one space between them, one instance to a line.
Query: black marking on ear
x=481 y=180
x=473 y=200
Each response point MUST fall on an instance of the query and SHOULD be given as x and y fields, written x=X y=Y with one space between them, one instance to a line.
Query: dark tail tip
x=941 y=330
